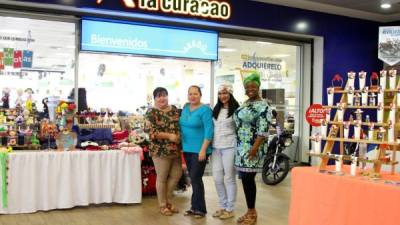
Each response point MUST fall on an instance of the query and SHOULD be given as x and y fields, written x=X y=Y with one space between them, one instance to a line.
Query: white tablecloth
x=58 y=180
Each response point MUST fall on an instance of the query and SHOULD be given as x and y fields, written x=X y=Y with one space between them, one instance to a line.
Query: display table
x=322 y=199
x=59 y=180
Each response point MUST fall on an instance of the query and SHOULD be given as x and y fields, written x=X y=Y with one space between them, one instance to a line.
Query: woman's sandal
x=165 y=211
x=242 y=218
x=188 y=212
x=172 y=208
x=250 y=219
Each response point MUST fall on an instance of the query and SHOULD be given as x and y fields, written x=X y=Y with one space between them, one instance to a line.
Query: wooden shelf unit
x=336 y=135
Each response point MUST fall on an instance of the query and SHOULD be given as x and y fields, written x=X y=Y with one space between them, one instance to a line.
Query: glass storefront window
x=277 y=64
x=37 y=55
x=125 y=83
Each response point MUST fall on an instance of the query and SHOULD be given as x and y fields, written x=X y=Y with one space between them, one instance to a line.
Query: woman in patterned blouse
x=252 y=120
x=165 y=148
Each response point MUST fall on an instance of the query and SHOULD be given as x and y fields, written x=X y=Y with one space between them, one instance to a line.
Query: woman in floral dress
x=252 y=121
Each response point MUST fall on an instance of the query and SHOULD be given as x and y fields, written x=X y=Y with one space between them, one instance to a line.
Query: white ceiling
x=363 y=9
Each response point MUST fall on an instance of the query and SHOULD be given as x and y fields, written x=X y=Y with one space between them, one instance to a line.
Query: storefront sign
x=315 y=115
x=17 y=59
x=117 y=37
x=389 y=45
x=197 y=8
x=269 y=68
x=8 y=57
x=27 y=59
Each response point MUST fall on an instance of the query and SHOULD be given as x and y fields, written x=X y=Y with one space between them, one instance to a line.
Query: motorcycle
x=276 y=164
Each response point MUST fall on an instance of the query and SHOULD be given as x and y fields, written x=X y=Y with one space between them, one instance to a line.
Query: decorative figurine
x=358 y=113
x=380 y=95
x=331 y=94
x=324 y=126
x=350 y=79
x=392 y=79
x=19 y=101
x=6 y=98
x=371 y=131
x=12 y=137
x=29 y=99
x=328 y=115
x=390 y=132
x=338 y=163
x=340 y=112
x=374 y=81
x=372 y=99
x=346 y=127
x=382 y=79
x=337 y=82
x=361 y=79
x=350 y=95
x=380 y=113
x=316 y=143
x=357 y=99
x=357 y=129
x=364 y=96
x=381 y=134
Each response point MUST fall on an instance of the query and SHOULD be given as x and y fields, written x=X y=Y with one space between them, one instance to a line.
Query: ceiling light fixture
x=227 y=50
x=263 y=43
x=386 y=5
x=301 y=26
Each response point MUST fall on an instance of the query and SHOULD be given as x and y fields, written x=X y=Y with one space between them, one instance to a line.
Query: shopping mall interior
x=79 y=81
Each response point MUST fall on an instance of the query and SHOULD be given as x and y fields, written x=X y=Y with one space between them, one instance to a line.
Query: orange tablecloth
x=323 y=199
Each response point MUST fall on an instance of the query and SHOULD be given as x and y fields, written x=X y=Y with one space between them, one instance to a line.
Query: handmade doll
x=6 y=98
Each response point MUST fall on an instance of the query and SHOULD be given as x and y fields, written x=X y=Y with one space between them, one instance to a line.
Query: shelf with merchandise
x=338 y=131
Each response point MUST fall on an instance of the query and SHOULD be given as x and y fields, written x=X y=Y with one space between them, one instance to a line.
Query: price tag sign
x=315 y=115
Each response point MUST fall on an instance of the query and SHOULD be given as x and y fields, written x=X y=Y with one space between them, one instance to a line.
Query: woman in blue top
x=197 y=130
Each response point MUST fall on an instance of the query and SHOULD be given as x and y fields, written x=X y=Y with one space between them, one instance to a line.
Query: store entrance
x=126 y=82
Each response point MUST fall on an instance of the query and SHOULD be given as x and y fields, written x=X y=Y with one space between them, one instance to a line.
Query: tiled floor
x=272 y=205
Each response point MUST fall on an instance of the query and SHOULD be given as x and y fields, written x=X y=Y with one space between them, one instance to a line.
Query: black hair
x=159 y=91
x=198 y=88
x=232 y=106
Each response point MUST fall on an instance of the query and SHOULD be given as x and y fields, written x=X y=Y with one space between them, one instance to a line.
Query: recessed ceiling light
x=386 y=5
x=280 y=55
x=302 y=26
x=263 y=43
x=227 y=50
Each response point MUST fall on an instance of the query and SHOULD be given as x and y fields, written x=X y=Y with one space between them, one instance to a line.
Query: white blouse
x=224 y=131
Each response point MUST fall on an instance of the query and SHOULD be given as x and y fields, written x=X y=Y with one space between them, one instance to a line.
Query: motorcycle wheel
x=273 y=176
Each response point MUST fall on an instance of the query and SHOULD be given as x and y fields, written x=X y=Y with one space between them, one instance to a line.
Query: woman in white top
x=224 y=143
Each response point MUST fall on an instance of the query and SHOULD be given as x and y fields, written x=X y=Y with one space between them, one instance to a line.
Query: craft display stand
x=336 y=132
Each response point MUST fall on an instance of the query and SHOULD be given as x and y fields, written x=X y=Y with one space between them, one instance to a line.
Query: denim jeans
x=196 y=170
x=224 y=174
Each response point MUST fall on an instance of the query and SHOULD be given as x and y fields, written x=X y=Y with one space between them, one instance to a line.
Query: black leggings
x=249 y=188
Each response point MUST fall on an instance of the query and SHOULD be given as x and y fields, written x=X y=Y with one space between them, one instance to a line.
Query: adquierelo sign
x=199 y=8
x=141 y=39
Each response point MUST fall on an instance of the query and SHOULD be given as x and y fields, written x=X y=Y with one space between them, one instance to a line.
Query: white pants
x=224 y=174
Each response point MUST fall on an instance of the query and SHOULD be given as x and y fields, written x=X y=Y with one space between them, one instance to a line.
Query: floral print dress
x=252 y=120
x=168 y=122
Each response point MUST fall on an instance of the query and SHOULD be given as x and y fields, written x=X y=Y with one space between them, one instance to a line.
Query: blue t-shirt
x=196 y=126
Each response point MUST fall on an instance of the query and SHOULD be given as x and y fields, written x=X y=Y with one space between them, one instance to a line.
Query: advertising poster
x=27 y=57
x=17 y=59
x=8 y=59
x=389 y=45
